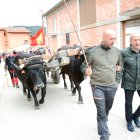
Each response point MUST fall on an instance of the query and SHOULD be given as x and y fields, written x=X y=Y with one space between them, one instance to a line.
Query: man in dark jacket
x=131 y=79
x=11 y=70
x=104 y=78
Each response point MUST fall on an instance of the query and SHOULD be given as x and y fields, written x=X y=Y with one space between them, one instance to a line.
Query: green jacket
x=131 y=69
x=103 y=63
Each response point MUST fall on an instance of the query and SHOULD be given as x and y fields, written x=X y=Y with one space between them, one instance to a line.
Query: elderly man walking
x=131 y=79
x=104 y=78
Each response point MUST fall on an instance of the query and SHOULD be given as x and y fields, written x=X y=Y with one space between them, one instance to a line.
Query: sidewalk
x=3 y=77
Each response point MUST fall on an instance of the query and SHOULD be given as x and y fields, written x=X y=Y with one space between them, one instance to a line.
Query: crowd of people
x=9 y=57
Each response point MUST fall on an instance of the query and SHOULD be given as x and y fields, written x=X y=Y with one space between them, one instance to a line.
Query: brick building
x=11 y=38
x=90 y=18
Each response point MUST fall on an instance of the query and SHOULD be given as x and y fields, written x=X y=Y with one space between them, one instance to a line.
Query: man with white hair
x=104 y=78
x=131 y=79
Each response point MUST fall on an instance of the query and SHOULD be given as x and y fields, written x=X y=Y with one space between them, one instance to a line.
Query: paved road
x=60 y=117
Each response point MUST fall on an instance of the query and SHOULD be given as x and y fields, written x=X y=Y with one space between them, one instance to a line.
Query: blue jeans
x=103 y=98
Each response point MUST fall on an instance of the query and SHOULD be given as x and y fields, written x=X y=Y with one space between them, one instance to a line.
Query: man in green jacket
x=131 y=79
x=104 y=78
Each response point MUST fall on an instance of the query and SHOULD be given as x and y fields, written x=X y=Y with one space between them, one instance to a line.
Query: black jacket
x=8 y=62
x=131 y=69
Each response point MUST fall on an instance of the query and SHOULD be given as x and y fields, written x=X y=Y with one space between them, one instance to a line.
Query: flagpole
x=43 y=26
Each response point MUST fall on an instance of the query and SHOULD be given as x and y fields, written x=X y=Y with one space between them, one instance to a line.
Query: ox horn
x=22 y=66
x=15 y=66
x=34 y=57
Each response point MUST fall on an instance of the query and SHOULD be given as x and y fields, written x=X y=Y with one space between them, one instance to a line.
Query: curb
x=2 y=86
x=3 y=78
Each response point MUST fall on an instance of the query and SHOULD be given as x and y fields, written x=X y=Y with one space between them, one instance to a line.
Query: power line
x=39 y=9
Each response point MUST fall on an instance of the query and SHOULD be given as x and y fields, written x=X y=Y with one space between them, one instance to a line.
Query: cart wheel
x=56 y=78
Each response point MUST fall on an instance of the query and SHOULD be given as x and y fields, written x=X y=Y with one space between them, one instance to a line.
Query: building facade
x=91 y=18
x=11 y=38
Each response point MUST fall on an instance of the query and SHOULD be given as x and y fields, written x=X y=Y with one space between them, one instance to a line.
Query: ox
x=74 y=72
x=32 y=75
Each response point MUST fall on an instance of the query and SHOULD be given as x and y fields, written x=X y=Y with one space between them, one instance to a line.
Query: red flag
x=38 y=38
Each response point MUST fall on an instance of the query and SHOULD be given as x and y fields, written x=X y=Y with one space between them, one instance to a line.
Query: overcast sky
x=23 y=12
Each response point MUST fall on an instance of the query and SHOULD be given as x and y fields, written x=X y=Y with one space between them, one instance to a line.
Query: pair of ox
x=30 y=71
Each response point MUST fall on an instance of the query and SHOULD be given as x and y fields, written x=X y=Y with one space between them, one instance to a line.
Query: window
x=67 y=38
x=54 y=25
x=130 y=27
x=47 y=27
x=87 y=12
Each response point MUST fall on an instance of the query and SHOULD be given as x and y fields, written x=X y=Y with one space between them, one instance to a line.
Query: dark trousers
x=12 y=74
x=14 y=78
x=103 y=97
x=128 y=105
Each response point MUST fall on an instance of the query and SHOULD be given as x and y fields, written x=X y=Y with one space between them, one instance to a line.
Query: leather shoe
x=136 y=121
x=130 y=127
x=109 y=133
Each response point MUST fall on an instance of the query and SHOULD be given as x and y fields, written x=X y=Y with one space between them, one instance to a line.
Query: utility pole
x=41 y=11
